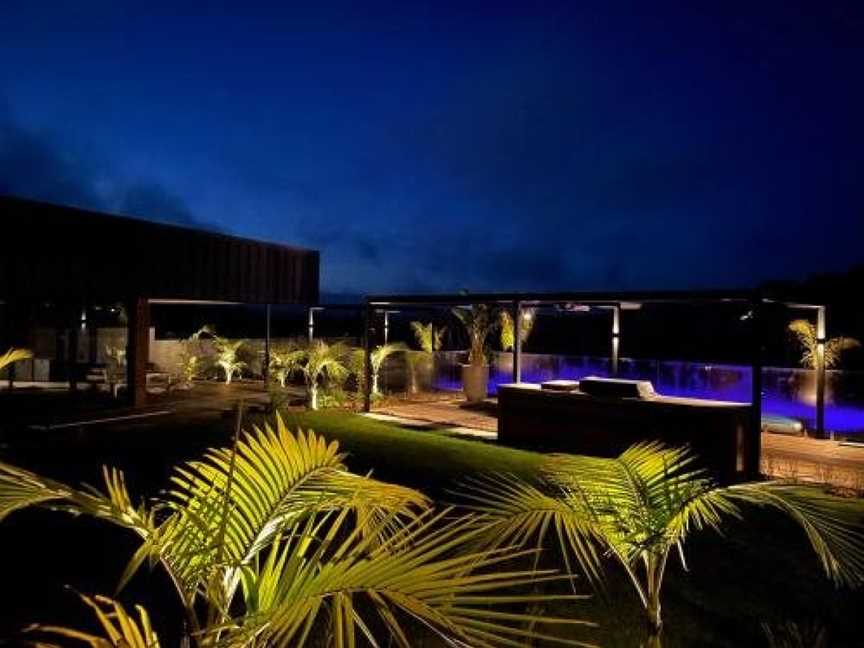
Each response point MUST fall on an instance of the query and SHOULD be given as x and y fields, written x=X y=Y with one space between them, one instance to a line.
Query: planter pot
x=475 y=382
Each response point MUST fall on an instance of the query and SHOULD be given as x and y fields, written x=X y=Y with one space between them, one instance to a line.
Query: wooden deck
x=800 y=458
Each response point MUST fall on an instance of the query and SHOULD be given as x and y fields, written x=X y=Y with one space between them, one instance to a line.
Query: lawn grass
x=761 y=571
x=425 y=459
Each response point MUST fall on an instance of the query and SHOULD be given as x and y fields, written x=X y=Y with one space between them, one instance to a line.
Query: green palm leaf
x=278 y=478
x=122 y=630
x=639 y=506
x=428 y=337
x=323 y=576
x=14 y=355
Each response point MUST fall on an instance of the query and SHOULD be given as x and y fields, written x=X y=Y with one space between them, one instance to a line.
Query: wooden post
x=266 y=368
x=517 y=342
x=137 y=350
x=820 y=372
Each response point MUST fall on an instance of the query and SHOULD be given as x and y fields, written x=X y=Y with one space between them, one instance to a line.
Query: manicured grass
x=761 y=571
x=424 y=459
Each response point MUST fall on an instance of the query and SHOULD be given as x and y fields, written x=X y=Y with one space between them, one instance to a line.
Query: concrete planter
x=475 y=382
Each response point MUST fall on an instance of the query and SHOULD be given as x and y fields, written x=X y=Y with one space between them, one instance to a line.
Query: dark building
x=74 y=258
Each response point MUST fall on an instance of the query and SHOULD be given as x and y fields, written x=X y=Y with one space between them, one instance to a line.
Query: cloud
x=37 y=165
x=152 y=200
x=42 y=165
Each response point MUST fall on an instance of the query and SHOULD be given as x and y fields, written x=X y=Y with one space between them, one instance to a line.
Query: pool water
x=788 y=393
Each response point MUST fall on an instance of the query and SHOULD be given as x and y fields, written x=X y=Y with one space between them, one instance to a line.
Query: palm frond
x=479 y=321
x=508 y=329
x=20 y=488
x=278 y=478
x=836 y=347
x=322 y=575
x=805 y=333
x=380 y=353
x=516 y=512
x=837 y=539
x=14 y=355
x=428 y=336
x=121 y=629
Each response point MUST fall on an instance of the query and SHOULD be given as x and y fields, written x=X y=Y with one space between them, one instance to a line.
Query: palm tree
x=640 y=506
x=430 y=340
x=191 y=356
x=226 y=357
x=377 y=358
x=508 y=330
x=273 y=542
x=226 y=352
x=428 y=337
x=479 y=322
x=284 y=362
x=805 y=333
x=14 y=355
x=320 y=364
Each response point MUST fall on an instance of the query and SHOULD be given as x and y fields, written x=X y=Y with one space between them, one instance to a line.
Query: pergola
x=615 y=302
x=76 y=258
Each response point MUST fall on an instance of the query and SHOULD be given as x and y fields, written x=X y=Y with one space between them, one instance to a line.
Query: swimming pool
x=786 y=392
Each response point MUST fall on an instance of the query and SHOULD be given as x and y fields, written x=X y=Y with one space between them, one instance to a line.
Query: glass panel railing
x=787 y=392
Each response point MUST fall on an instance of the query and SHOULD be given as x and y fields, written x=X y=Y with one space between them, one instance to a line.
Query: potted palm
x=479 y=321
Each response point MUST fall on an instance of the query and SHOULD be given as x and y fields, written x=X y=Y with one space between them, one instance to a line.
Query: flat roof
x=599 y=298
x=54 y=252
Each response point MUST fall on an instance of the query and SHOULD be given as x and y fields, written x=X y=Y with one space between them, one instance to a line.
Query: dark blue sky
x=428 y=147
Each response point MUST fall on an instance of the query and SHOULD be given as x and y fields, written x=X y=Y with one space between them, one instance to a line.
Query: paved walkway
x=817 y=460
x=448 y=413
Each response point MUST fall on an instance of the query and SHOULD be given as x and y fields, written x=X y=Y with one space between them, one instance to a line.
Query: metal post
x=311 y=324
x=517 y=342
x=754 y=446
x=820 y=372
x=386 y=325
x=616 y=332
x=266 y=371
x=367 y=359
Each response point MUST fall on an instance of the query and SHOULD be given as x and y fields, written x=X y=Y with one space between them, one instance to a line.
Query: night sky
x=427 y=147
